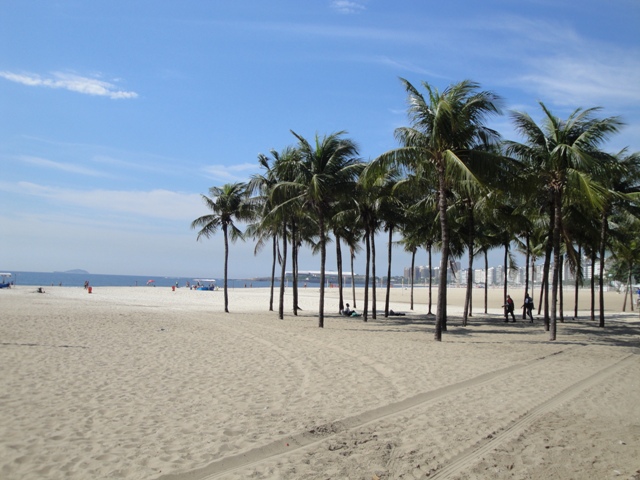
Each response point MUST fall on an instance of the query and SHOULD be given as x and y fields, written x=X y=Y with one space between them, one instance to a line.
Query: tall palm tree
x=343 y=225
x=325 y=171
x=287 y=209
x=267 y=225
x=227 y=204
x=622 y=179
x=566 y=154
x=445 y=128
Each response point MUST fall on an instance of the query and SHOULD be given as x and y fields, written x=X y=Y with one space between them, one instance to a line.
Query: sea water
x=67 y=279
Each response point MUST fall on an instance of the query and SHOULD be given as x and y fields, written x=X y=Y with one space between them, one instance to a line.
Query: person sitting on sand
x=396 y=314
x=350 y=313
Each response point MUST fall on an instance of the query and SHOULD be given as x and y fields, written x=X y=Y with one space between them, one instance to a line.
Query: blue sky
x=118 y=114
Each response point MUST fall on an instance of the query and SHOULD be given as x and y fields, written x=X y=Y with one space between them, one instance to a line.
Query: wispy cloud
x=159 y=203
x=66 y=167
x=233 y=173
x=347 y=7
x=401 y=65
x=584 y=80
x=71 y=82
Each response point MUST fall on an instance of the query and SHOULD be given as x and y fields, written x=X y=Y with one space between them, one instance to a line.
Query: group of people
x=527 y=306
x=508 y=309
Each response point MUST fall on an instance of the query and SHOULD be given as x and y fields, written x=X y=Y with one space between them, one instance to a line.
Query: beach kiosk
x=5 y=282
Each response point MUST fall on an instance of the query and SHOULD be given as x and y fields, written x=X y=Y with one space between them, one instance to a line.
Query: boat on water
x=5 y=283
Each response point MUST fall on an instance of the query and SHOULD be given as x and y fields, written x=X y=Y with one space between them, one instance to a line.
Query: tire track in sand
x=290 y=443
x=475 y=453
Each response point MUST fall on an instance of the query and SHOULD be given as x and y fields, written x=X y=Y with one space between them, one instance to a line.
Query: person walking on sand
x=528 y=306
x=508 y=309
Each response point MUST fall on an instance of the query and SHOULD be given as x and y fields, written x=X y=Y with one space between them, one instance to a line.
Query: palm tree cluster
x=452 y=184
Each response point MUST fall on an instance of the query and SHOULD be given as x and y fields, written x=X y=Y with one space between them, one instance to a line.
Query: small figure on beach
x=508 y=309
x=86 y=284
x=349 y=313
x=528 y=306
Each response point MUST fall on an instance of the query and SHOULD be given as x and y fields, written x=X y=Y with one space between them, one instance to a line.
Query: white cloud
x=71 y=82
x=347 y=7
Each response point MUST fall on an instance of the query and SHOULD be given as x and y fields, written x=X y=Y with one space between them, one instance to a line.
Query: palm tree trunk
x=226 y=262
x=441 y=313
x=486 y=281
x=544 y=293
x=630 y=291
x=294 y=266
x=505 y=282
x=469 y=294
x=557 y=225
x=603 y=244
x=283 y=277
x=560 y=289
x=273 y=271
x=533 y=280
x=627 y=289
x=593 y=285
x=353 y=279
x=542 y=287
x=429 y=247
x=386 y=301
x=365 y=309
x=340 y=279
x=526 y=272
x=467 y=301
x=373 y=275
x=413 y=268
x=577 y=283
x=323 y=263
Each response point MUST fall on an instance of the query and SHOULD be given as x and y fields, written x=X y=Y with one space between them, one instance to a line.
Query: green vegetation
x=453 y=184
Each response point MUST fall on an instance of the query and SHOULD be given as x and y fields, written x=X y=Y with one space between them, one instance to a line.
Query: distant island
x=76 y=270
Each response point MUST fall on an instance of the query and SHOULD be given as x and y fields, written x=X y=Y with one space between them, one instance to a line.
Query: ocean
x=67 y=279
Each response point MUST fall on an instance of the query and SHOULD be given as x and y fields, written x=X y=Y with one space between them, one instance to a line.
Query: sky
x=118 y=114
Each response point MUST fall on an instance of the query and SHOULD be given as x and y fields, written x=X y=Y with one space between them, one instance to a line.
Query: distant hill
x=76 y=270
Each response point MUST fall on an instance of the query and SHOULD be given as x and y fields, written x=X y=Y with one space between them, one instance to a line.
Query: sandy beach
x=150 y=383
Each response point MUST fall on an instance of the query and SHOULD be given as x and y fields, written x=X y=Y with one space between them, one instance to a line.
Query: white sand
x=145 y=383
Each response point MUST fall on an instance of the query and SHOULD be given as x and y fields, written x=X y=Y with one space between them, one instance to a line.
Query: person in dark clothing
x=508 y=309
x=528 y=306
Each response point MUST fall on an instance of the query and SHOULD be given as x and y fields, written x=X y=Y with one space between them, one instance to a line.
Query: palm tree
x=287 y=210
x=352 y=237
x=622 y=179
x=344 y=230
x=267 y=226
x=325 y=171
x=565 y=153
x=445 y=128
x=227 y=203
